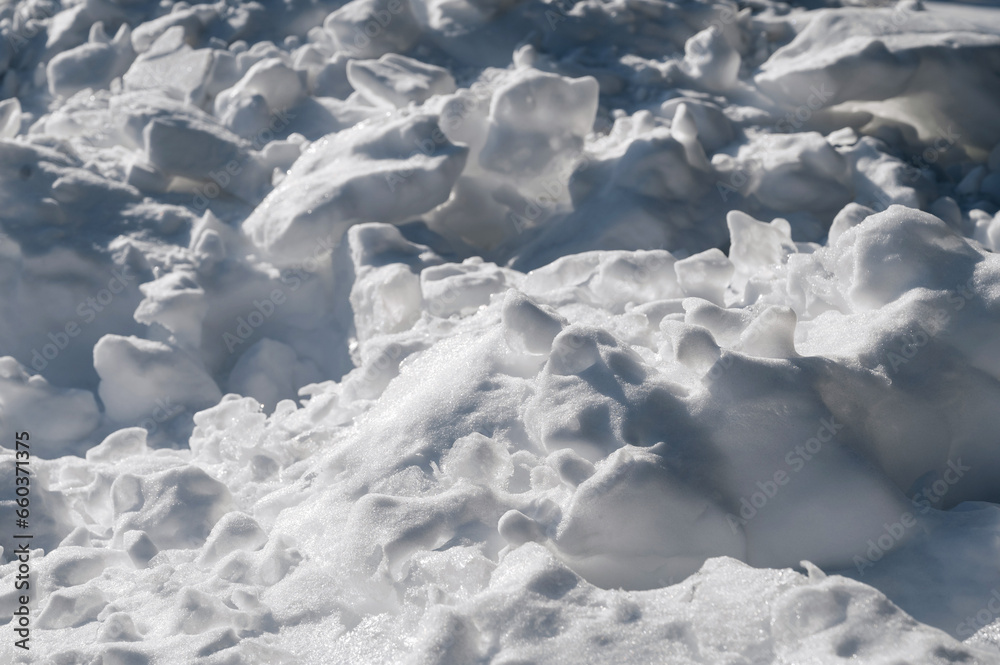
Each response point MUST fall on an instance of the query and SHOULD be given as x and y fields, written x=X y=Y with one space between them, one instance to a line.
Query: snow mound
x=416 y=331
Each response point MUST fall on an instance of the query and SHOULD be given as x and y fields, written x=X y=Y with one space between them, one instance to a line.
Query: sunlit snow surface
x=500 y=331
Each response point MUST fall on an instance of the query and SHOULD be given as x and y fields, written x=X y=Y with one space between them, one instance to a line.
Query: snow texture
x=501 y=331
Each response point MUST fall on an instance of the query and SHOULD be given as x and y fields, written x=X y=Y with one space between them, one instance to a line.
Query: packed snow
x=515 y=331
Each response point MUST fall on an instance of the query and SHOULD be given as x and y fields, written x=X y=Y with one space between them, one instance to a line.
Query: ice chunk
x=757 y=248
x=48 y=197
x=535 y=118
x=235 y=531
x=10 y=118
x=850 y=216
x=71 y=566
x=69 y=27
x=793 y=172
x=691 y=345
x=139 y=547
x=176 y=302
x=527 y=327
x=172 y=66
x=609 y=510
x=203 y=151
x=705 y=275
x=69 y=608
x=278 y=85
x=879 y=273
x=870 y=61
x=477 y=458
x=93 y=65
x=390 y=173
x=372 y=28
x=771 y=334
x=176 y=508
x=987 y=231
x=330 y=79
x=711 y=60
x=191 y=20
x=124 y=443
x=455 y=288
x=395 y=80
x=141 y=379
x=661 y=167
x=714 y=129
x=118 y=627
x=572 y=468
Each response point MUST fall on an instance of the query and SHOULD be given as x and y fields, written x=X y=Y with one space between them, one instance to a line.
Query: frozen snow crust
x=501 y=332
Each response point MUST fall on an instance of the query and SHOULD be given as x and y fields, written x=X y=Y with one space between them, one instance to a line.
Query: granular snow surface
x=453 y=332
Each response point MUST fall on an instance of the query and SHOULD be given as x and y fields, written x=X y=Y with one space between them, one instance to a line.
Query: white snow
x=398 y=331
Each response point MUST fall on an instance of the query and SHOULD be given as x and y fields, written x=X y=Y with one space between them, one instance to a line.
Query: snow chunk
x=142 y=378
x=270 y=371
x=126 y=442
x=711 y=60
x=395 y=80
x=372 y=28
x=705 y=275
x=614 y=537
x=30 y=398
x=536 y=117
x=527 y=327
x=176 y=508
x=280 y=86
x=93 y=65
x=757 y=248
x=867 y=60
x=235 y=531
x=172 y=66
x=390 y=173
